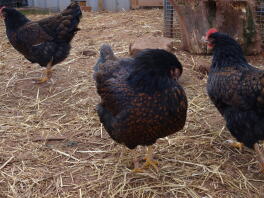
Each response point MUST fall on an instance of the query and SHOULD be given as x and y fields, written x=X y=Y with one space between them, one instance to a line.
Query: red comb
x=211 y=31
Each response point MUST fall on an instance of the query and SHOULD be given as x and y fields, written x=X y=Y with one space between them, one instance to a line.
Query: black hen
x=237 y=90
x=140 y=99
x=46 y=42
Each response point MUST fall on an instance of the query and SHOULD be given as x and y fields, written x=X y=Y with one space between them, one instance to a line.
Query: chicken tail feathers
x=70 y=19
x=74 y=10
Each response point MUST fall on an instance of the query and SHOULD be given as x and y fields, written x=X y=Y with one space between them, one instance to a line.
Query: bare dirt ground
x=53 y=145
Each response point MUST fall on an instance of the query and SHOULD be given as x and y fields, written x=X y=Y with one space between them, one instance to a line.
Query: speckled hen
x=47 y=41
x=141 y=99
x=237 y=90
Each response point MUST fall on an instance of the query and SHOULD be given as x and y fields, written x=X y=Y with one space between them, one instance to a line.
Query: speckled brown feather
x=32 y=33
x=241 y=88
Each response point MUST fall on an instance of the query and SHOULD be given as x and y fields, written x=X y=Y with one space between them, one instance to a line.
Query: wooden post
x=134 y=4
x=100 y=5
x=145 y=3
x=236 y=18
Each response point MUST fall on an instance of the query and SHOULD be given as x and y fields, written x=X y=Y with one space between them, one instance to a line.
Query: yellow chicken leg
x=136 y=169
x=149 y=159
x=237 y=145
x=48 y=74
x=260 y=157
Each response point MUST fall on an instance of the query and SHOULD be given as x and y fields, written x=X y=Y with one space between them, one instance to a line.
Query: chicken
x=237 y=90
x=46 y=42
x=141 y=100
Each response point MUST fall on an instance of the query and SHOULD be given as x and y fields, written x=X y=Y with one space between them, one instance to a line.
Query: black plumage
x=237 y=90
x=140 y=99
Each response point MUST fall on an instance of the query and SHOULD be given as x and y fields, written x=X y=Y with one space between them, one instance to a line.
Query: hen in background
x=237 y=90
x=141 y=99
x=47 y=41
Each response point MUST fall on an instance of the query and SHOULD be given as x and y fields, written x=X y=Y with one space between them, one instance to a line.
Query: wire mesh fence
x=171 y=25
x=260 y=17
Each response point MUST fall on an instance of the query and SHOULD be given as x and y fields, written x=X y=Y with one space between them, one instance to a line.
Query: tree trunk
x=236 y=18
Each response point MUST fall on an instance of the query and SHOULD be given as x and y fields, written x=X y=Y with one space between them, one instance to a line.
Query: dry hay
x=52 y=144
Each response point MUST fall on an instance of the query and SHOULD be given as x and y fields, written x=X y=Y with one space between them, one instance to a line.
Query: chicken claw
x=138 y=170
x=234 y=144
x=41 y=80
x=260 y=157
x=149 y=159
x=48 y=74
x=152 y=163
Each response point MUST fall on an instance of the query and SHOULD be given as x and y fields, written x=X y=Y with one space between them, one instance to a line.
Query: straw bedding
x=53 y=145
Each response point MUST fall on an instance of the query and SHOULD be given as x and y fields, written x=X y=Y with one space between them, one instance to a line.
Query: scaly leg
x=136 y=169
x=260 y=157
x=48 y=74
x=149 y=158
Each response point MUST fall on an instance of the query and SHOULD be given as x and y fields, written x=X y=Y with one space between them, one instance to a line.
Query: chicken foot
x=235 y=144
x=136 y=169
x=260 y=157
x=48 y=74
x=149 y=159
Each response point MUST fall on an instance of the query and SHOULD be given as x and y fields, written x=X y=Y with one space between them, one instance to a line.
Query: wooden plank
x=150 y=3
x=82 y=3
x=86 y=8
x=134 y=4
